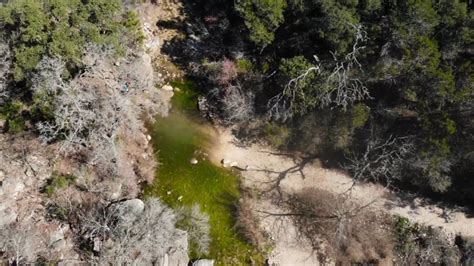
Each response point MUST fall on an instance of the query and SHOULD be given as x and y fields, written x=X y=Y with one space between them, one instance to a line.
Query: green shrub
x=277 y=135
x=62 y=28
x=244 y=65
x=58 y=181
x=360 y=115
x=12 y=112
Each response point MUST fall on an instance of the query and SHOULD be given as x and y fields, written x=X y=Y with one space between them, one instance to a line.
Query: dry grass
x=248 y=223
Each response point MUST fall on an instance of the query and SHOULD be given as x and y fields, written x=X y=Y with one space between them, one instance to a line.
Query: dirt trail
x=267 y=169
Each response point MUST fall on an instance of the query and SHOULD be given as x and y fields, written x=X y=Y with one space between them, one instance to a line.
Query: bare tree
x=20 y=243
x=95 y=108
x=5 y=68
x=237 y=104
x=145 y=240
x=196 y=223
x=382 y=160
x=336 y=226
x=339 y=86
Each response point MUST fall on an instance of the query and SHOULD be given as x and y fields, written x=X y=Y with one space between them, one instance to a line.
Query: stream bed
x=183 y=137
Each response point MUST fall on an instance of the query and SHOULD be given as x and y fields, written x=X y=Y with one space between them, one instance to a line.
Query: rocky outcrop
x=127 y=211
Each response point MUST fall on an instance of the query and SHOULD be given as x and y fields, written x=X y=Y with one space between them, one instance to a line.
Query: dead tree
x=237 y=104
x=21 y=243
x=143 y=241
x=5 y=68
x=336 y=87
x=382 y=160
x=330 y=222
x=97 y=107
x=196 y=224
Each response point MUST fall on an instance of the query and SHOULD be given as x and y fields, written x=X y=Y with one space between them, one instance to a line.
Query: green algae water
x=178 y=138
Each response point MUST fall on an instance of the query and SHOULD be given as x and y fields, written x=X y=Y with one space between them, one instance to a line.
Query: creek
x=183 y=136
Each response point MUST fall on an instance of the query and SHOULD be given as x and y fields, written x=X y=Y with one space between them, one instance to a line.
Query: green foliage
x=304 y=91
x=244 y=65
x=62 y=28
x=12 y=113
x=406 y=233
x=43 y=106
x=415 y=240
x=277 y=135
x=58 y=181
x=360 y=115
x=262 y=18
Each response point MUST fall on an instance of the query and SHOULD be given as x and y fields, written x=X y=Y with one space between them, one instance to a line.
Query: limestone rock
x=7 y=215
x=167 y=88
x=128 y=211
x=179 y=255
x=203 y=263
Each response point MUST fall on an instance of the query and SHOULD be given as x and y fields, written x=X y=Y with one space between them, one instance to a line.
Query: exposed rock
x=115 y=191
x=225 y=163
x=167 y=88
x=203 y=263
x=11 y=187
x=203 y=106
x=128 y=211
x=179 y=255
x=228 y=163
x=7 y=215
x=193 y=161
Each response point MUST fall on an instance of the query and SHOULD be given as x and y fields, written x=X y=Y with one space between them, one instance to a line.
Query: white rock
x=193 y=161
x=148 y=137
x=167 y=88
x=203 y=263
x=225 y=163
x=7 y=215
x=128 y=211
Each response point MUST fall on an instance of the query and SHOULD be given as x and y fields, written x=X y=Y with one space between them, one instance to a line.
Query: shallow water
x=178 y=138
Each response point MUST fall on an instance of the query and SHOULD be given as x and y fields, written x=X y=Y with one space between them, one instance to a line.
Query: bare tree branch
x=340 y=86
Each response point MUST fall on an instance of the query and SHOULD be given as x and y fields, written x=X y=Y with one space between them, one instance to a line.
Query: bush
x=12 y=112
x=58 y=181
x=418 y=244
x=277 y=135
x=196 y=223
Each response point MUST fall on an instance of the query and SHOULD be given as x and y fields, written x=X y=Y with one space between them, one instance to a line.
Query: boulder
x=167 y=88
x=193 y=161
x=225 y=163
x=128 y=211
x=203 y=263
x=7 y=215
